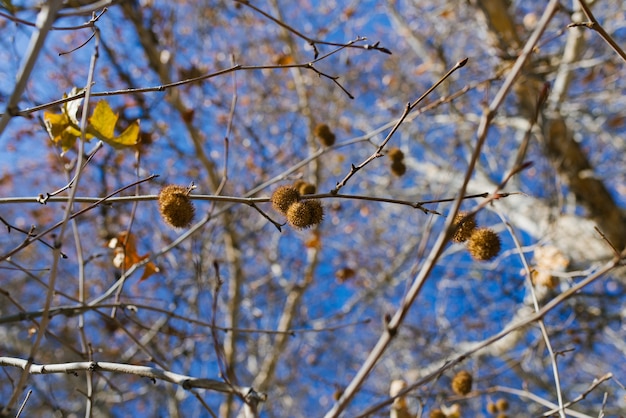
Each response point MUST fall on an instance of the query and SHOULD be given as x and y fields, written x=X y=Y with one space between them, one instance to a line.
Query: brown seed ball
x=395 y=154
x=398 y=168
x=325 y=135
x=462 y=383
x=305 y=214
x=465 y=226
x=492 y=408
x=317 y=211
x=483 y=244
x=437 y=413
x=175 y=206
x=299 y=215
x=306 y=188
x=502 y=404
x=283 y=197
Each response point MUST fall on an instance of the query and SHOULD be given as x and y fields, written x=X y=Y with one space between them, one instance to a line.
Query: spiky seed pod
x=317 y=211
x=465 y=226
x=437 y=413
x=175 y=206
x=299 y=215
x=395 y=154
x=462 y=383
x=492 y=408
x=283 y=197
x=305 y=213
x=502 y=404
x=398 y=168
x=325 y=135
x=483 y=244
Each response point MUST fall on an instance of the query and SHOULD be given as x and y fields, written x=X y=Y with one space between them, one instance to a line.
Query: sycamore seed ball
x=307 y=188
x=466 y=225
x=305 y=214
x=462 y=383
x=283 y=197
x=325 y=135
x=502 y=404
x=437 y=413
x=398 y=168
x=395 y=154
x=317 y=211
x=483 y=244
x=175 y=206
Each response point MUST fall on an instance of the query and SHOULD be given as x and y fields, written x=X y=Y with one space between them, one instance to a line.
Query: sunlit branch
x=154 y=374
x=398 y=318
x=46 y=18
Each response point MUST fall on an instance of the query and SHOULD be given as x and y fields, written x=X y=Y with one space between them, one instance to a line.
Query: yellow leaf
x=103 y=121
x=128 y=138
x=55 y=124
x=61 y=130
x=102 y=124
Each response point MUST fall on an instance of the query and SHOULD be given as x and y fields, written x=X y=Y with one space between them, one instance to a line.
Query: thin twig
x=544 y=331
x=127 y=233
x=596 y=382
x=44 y=198
x=96 y=202
x=593 y=24
x=19 y=411
x=409 y=107
x=167 y=86
x=313 y=42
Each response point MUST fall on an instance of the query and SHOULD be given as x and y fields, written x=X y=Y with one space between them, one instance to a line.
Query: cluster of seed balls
x=300 y=213
x=175 y=206
x=483 y=244
x=462 y=385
